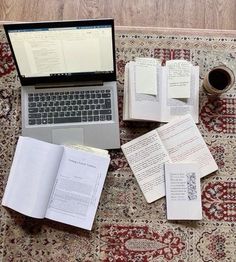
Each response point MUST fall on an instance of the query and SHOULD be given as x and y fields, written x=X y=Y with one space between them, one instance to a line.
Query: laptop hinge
x=72 y=84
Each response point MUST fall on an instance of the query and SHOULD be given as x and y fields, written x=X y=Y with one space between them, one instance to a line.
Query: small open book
x=56 y=182
x=160 y=93
x=177 y=141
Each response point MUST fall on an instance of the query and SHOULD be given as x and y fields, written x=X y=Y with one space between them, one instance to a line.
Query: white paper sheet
x=146 y=76
x=183 y=192
x=179 y=77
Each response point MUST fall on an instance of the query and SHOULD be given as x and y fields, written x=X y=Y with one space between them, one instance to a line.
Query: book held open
x=160 y=93
x=56 y=182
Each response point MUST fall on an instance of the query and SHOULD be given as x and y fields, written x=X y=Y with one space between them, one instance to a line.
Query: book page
x=144 y=106
x=96 y=151
x=32 y=176
x=176 y=107
x=184 y=143
x=146 y=157
x=146 y=76
x=183 y=192
x=78 y=187
x=178 y=78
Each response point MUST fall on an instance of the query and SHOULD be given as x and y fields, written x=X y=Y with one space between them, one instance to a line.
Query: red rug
x=126 y=228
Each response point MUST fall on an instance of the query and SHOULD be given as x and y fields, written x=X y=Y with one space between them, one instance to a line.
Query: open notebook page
x=32 y=176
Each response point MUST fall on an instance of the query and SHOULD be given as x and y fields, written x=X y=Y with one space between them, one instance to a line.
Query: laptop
x=67 y=71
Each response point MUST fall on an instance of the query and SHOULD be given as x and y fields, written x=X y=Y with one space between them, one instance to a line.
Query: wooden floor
x=216 y=14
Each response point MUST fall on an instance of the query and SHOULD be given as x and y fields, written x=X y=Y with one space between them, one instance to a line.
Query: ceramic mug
x=218 y=80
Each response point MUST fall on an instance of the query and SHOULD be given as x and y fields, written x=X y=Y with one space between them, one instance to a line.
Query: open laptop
x=67 y=70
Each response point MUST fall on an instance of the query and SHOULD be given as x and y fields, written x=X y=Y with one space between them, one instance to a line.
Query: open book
x=177 y=141
x=160 y=93
x=56 y=182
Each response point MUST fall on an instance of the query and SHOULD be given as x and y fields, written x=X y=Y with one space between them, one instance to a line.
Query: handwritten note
x=179 y=77
x=146 y=76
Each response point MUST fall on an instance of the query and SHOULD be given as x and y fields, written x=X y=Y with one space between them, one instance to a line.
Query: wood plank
x=216 y=14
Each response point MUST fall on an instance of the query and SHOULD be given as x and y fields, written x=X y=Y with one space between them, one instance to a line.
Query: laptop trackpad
x=68 y=136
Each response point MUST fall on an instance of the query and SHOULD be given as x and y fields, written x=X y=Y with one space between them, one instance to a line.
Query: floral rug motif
x=126 y=228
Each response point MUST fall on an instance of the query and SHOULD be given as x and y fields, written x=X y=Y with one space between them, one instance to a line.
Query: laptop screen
x=48 y=52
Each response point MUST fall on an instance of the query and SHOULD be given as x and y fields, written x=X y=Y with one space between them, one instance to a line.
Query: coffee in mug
x=218 y=80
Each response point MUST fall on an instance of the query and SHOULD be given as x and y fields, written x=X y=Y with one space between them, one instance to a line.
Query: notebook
x=67 y=71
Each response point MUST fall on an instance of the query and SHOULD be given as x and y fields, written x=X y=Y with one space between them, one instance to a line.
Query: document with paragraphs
x=177 y=141
x=56 y=182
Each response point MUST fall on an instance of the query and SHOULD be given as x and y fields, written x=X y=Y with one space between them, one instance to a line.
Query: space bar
x=60 y=120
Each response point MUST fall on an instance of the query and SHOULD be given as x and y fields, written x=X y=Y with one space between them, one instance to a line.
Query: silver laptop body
x=68 y=74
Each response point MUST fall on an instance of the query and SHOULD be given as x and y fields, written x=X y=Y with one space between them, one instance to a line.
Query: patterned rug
x=126 y=228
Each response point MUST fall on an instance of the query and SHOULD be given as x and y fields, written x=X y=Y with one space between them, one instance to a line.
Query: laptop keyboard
x=69 y=107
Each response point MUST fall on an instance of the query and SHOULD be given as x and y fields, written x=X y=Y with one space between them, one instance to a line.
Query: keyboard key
x=32 y=104
x=105 y=112
x=61 y=120
x=108 y=103
x=108 y=117
x=38 y=121
x=33 y=110
x=36 y=115
x=50 y=121
x=106 y=95
x=32 y=122
x=102 y=117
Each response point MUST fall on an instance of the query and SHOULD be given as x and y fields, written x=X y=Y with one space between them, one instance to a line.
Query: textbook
x=56 y=182
x=175 y=142
x=153 y=92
